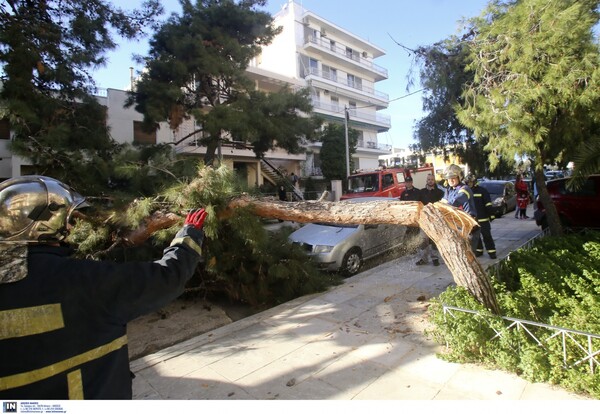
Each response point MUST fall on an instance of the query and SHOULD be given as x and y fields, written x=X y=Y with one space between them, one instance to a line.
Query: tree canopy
x=196 y=69
x=333 y=151
x=47 y=50
x=535 y=88
x=443 y=74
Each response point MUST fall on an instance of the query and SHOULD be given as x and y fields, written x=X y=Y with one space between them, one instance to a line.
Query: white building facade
x=340 y=71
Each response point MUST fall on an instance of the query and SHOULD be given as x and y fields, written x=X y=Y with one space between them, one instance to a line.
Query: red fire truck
x=385 y=182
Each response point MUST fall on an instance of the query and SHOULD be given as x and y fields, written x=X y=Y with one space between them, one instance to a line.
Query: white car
x=343 y=248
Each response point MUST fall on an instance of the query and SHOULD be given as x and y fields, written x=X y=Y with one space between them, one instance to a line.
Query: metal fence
x=588 y=351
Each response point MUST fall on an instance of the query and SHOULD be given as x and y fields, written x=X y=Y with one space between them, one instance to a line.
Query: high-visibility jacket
x=461 y=197
x=483 y=204
x=63 y=326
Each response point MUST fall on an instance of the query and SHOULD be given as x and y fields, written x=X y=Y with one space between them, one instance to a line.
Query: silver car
x=345 y=247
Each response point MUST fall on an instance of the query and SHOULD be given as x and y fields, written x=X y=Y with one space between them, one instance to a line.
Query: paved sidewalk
x=357 y=341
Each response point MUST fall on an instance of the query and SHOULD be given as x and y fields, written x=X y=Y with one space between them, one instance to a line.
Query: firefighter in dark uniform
x=63 y=320
x=483 y=205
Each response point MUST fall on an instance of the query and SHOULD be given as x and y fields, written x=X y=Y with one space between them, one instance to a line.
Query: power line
x=391 y=100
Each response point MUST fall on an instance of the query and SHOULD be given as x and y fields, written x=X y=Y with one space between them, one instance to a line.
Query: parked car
x=576 y=208
x=344 y=248
x=503 y=195
x=551 y=175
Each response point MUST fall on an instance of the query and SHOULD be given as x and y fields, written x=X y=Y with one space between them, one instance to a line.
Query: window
x=388 y=180
x=352 y=108
x=142 y=137
x=4 y=129
x=314 y=66
x=329 y=73
x=351 y=80
x=335 y=103
x=354 y=82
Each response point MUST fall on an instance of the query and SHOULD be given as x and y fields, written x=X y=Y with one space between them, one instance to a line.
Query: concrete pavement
x=362 y=340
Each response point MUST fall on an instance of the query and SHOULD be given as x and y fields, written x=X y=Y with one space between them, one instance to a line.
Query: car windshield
x=493 y=188
x=364 y=183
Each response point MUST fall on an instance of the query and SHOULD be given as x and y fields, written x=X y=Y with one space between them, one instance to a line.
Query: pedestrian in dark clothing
x=430 y=194
x=282 y=193
x=485 y=215
x=410 y=193
x=63 y=320
x=294 y=179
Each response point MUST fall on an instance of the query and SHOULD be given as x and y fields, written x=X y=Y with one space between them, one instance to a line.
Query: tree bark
x=552 y=217
x=448 y=227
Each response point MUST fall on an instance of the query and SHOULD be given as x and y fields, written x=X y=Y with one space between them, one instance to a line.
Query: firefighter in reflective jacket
x=63 y=320
x=483 y=205
x=459 y=195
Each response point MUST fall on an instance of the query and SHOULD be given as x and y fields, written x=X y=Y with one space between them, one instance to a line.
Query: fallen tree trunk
x=448 y=227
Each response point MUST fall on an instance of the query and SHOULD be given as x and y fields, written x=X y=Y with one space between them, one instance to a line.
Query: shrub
x=556 y=282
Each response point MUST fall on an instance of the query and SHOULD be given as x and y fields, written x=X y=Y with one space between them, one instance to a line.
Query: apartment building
x=340 y=70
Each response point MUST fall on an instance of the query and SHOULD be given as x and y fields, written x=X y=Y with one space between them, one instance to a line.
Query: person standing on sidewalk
x=522 y=197
x=410 y=193
x=430 y=194
x=459 y=195
x=485 y=216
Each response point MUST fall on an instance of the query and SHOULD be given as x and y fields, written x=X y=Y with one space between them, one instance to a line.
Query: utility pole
x=346 y=118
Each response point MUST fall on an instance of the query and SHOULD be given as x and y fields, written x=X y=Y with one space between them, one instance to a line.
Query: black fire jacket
x=63 y=327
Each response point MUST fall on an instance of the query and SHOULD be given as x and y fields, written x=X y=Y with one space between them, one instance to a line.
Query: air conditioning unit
x=326 y=92
x=323 y=32
x=365 y=55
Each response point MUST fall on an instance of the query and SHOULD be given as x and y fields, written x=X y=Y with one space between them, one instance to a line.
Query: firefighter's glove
x=196 y=218
x=192 y=234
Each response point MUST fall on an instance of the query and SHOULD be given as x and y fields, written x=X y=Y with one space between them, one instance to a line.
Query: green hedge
x=556 y=282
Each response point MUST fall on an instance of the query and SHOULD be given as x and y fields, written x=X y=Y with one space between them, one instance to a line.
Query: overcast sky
x=382 y=22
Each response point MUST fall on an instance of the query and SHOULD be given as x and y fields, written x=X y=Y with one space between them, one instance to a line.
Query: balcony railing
x=350 y=54
x=379 y=119
x=373 y=145
x=361 y=85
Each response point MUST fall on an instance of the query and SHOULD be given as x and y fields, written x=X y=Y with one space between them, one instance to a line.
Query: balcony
x=373 y=145
x=360 y=85
x=346 y=54
x=383 y=122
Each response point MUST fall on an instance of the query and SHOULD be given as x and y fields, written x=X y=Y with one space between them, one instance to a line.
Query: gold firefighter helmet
x=34 y=208
x=453 y=171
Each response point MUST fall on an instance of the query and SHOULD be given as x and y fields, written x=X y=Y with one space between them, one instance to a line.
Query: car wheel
x=352 y=261
x=503 y=210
